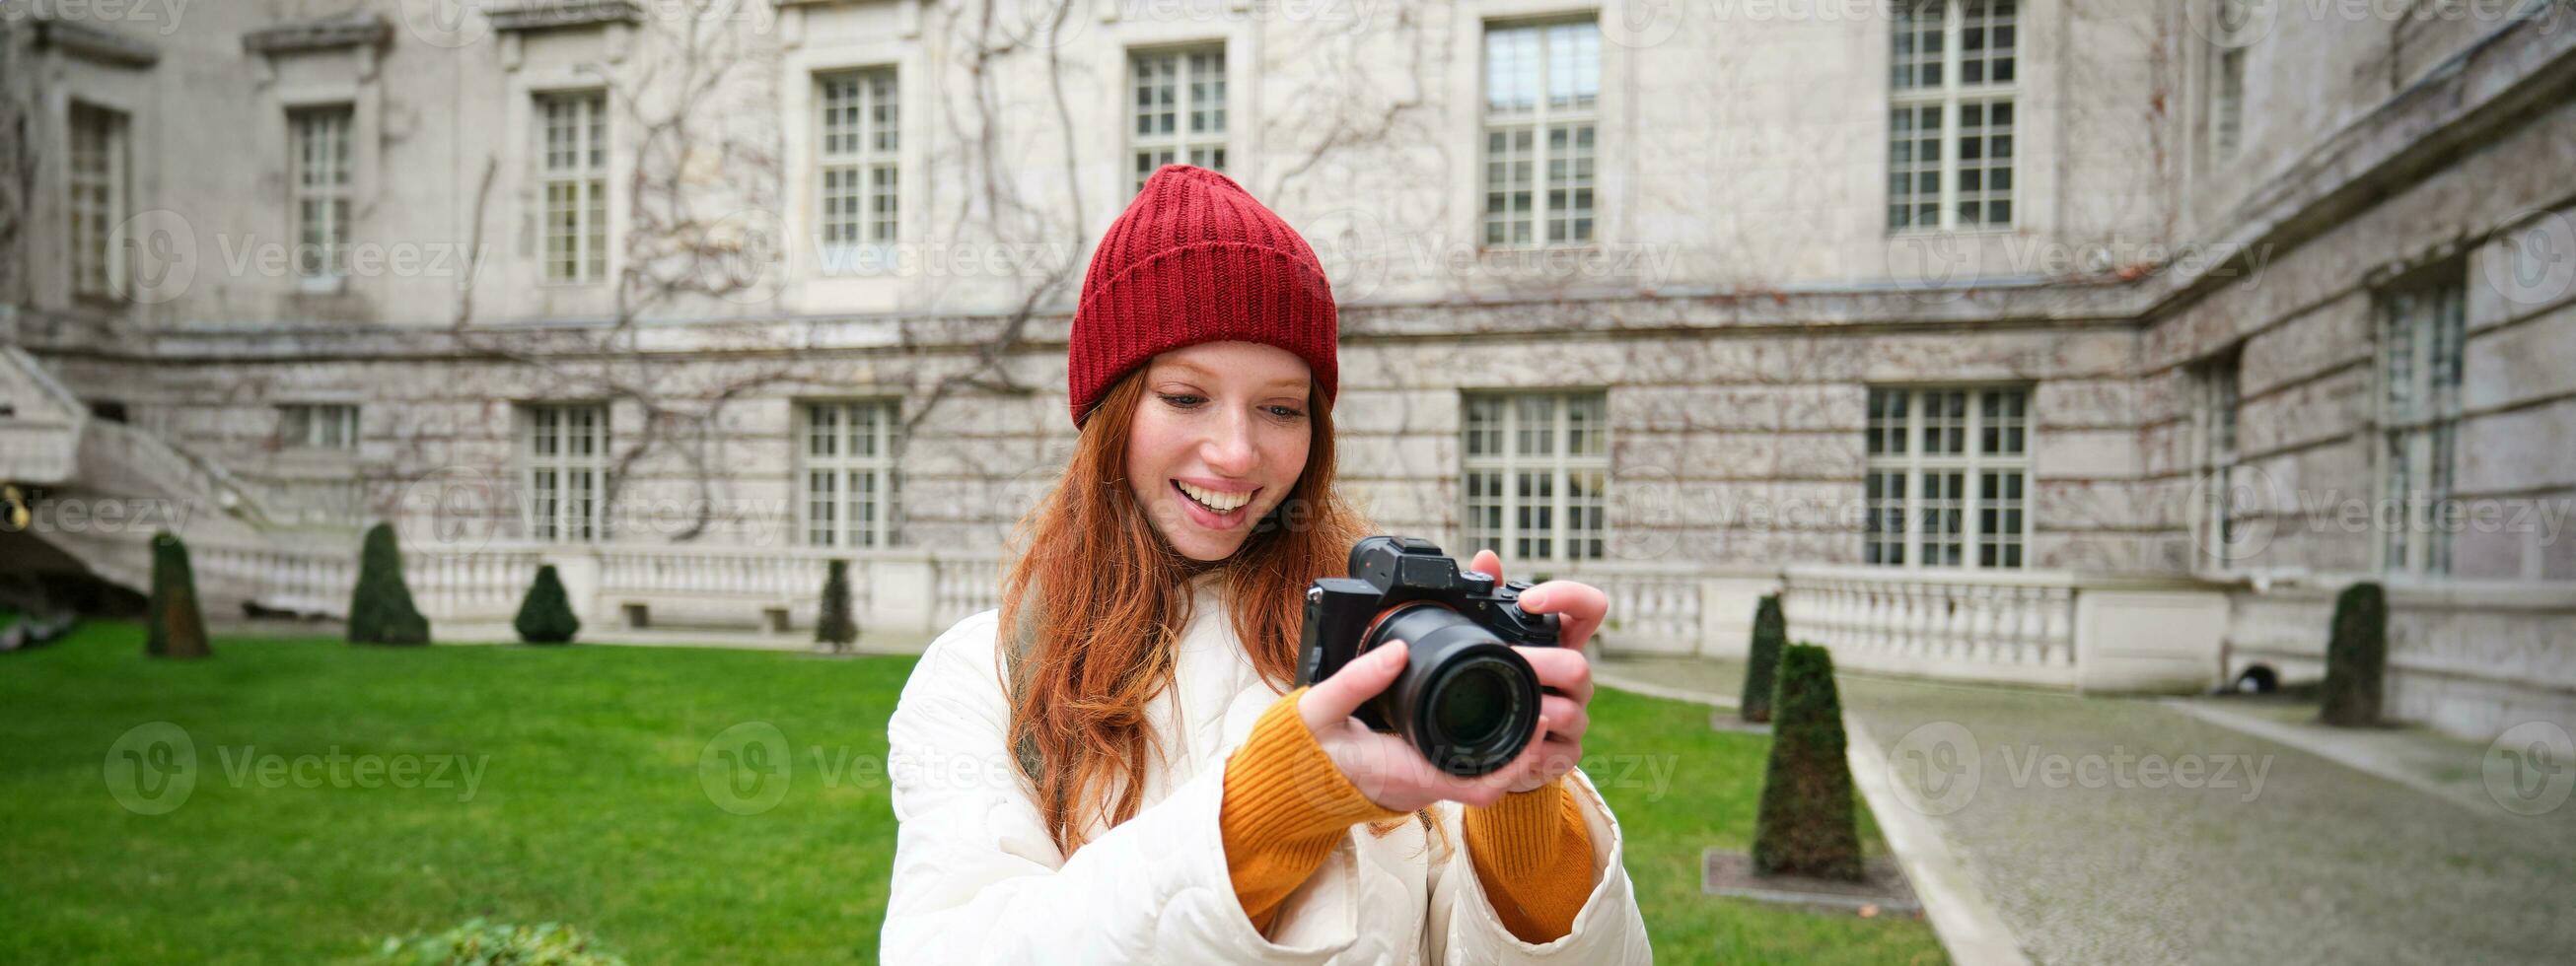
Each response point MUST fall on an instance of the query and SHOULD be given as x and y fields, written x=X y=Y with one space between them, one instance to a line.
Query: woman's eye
x=1182 y=400
x=1287 y=412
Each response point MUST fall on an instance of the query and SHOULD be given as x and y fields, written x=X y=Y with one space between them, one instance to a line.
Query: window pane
x=1536 y=479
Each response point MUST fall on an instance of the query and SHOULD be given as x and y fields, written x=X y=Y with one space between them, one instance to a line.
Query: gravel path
x=2108 y=830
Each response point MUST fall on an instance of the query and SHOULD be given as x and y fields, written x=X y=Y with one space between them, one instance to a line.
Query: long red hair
x=1104 y=600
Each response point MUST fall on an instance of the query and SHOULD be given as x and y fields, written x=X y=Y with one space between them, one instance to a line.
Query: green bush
x=2356 y=658
x=1806 y=825
x=1770 y=633
x=545 y=615
x=481 y=943
x=380 y=609
x=178 y=627
x=837 y=626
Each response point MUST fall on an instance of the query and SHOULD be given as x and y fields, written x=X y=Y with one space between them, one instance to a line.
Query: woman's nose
x=1230 y=449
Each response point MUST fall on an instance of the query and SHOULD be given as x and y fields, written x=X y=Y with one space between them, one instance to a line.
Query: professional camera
x=1465 y=699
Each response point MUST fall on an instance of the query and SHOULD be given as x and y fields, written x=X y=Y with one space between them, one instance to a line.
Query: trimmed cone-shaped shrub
x=1770 y=633
x=178 y=627
x=837 y=626
x=1806 y=826
x=380 y=610
x=545 y=615
x=2356 y=658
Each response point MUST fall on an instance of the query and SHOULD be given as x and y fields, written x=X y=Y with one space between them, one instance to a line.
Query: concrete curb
x=1666 y=692
x=1961 y=915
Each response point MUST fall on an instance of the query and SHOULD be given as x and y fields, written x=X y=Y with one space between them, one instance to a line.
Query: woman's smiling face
x=1218 y=440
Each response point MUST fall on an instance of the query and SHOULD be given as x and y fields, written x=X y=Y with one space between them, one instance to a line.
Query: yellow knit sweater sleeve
x=1286 y=805
x=1533 y=855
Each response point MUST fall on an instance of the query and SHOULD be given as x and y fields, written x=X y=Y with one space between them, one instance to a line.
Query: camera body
x=1465 y=698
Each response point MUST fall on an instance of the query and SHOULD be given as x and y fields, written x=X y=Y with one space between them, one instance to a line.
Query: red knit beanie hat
x=1194 y=259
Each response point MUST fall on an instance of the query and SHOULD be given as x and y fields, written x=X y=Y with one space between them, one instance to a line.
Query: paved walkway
x=2220 y=830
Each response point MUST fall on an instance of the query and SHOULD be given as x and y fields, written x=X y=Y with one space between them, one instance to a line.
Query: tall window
x=317 y=426
x=1179 y=109
x=861 y=134
x=1950 y=115
x=95 y=173
x=2420 y=335
x=566 y=467
x=321 y=186
x=2227 y=77
x=1536 y=474
x=2215 y=388
x=573 y=166
x=1542 y=100
x=1948 y=477
x=848 y=474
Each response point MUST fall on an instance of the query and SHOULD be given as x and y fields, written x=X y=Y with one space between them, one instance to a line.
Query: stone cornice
x=94 y=43
x=330 y=33
x=559 y=14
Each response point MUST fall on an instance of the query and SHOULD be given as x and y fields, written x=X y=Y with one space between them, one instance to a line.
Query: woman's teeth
x=1216 y=502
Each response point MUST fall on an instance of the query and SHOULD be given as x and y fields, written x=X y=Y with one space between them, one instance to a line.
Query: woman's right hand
x=1384 y=766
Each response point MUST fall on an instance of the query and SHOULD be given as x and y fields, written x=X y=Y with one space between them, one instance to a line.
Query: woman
x=1106 y=770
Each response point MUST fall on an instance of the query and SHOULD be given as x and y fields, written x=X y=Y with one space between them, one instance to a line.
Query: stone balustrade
x=2012 y=626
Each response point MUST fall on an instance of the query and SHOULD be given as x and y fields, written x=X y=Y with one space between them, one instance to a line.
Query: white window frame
x=321 y=199
x=1550 y=444
x=1550 y=189
x=858 y=141
x=564 y=462
x=2217 y=416
x=324 y=426
x=1951 y=100
x=98 y=185
x=848 y=489
x=1907 y=461
x=2422 y=332
x=1185 y=85
x=571 y=152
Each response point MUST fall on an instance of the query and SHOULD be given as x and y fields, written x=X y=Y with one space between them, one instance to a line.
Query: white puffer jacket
x=978 y=880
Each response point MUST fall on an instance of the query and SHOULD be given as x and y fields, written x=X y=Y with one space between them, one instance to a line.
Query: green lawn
x=586 y=806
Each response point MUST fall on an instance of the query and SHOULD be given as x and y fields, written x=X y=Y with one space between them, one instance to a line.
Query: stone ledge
x=94 y=43
x=558 y=14
x=330 y=33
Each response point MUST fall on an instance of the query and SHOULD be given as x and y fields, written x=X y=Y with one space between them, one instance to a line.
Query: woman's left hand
x=1579 y=608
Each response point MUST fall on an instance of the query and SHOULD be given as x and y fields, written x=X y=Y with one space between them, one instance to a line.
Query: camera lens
x=1464 y=699
x=1473 y=706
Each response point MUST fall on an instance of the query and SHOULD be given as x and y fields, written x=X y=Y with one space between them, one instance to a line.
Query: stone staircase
x=109 y=487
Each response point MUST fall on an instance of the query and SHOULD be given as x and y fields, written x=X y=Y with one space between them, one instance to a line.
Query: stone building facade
x=2088 y=345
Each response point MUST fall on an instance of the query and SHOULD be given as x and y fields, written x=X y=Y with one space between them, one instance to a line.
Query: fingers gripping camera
x=1465 y=699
